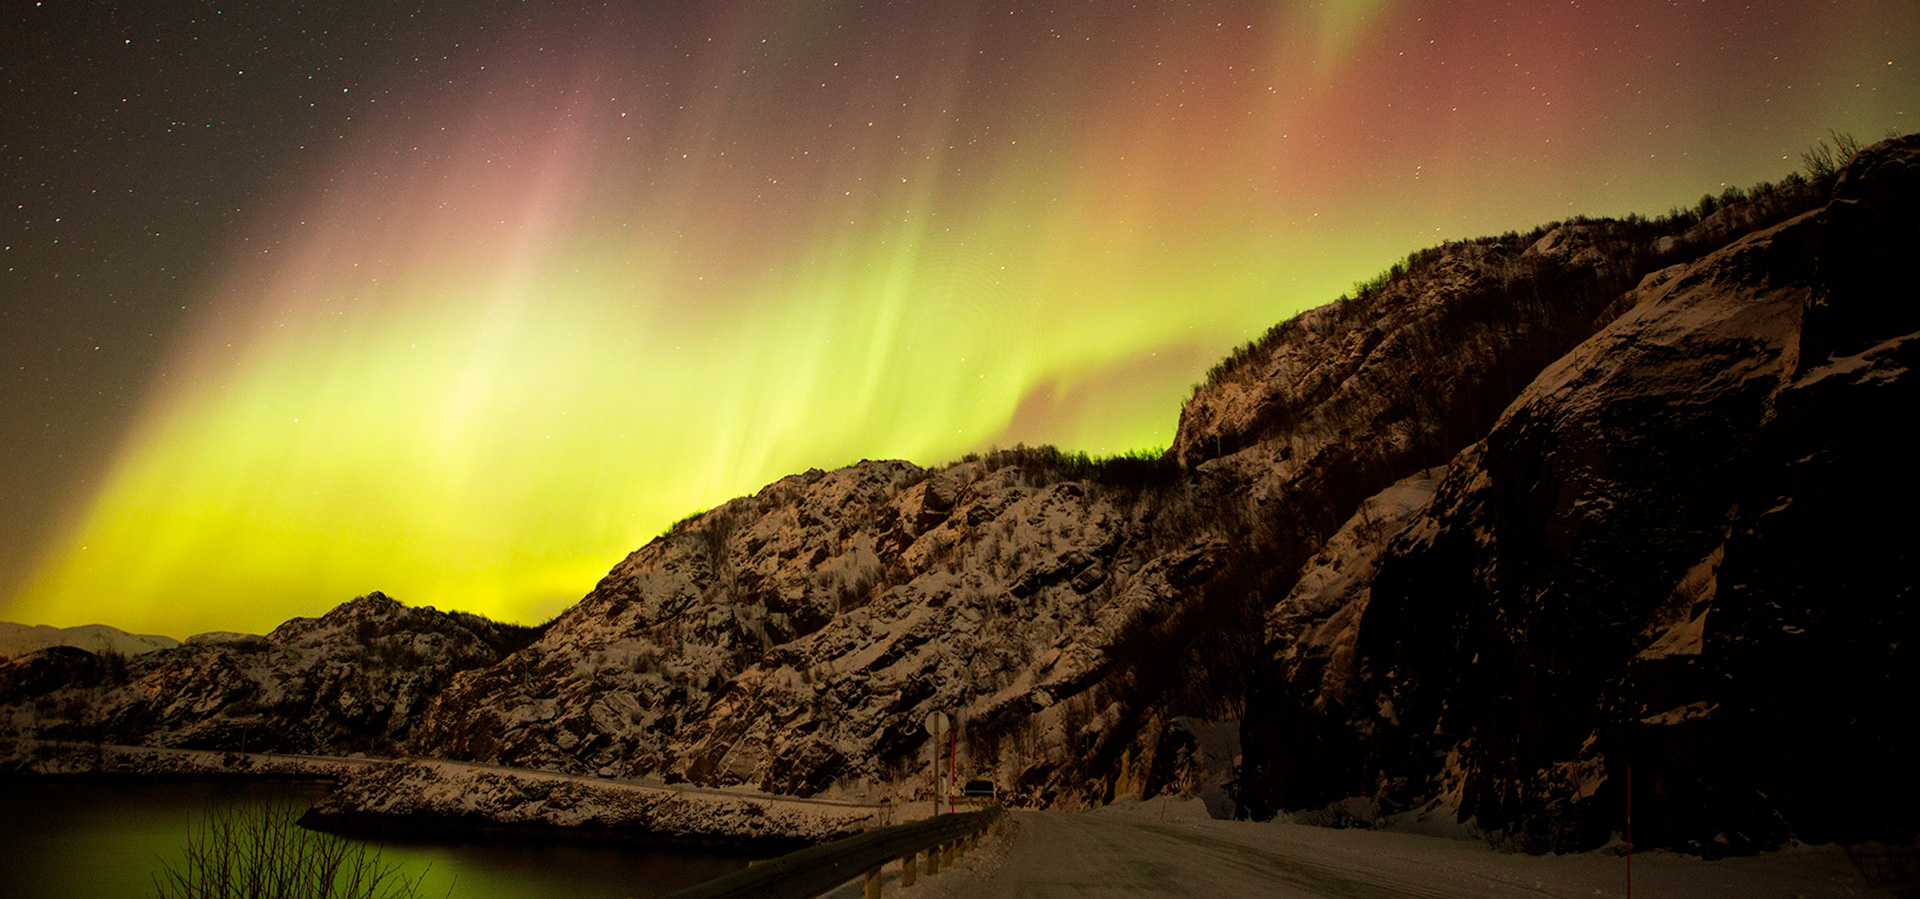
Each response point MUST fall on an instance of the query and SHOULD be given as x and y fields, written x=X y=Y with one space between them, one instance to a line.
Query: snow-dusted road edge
x=1144 y=850
x=416 y=795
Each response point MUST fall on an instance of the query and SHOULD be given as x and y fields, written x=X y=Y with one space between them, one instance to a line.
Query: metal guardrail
x=808 y=872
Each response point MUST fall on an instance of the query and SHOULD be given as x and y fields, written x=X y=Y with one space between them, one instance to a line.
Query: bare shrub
x=263 y=853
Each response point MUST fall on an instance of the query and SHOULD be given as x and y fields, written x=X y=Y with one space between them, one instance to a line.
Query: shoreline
x=443 y=796
x=437 y=829
x=42 y=758
x=412 y=799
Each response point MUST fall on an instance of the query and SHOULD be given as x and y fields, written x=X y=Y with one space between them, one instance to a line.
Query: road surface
x=1046 y=855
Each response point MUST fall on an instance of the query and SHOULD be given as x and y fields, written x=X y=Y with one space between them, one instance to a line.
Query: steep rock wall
x=1637 y=566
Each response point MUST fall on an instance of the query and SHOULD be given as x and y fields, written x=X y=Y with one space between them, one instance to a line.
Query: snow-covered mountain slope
x=20 y=639
x=799 y=637
x=355 y=679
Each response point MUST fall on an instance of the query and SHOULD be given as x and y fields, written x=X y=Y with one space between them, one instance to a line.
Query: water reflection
x=107 y=838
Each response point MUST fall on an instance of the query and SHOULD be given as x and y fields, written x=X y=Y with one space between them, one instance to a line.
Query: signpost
x=937 y=727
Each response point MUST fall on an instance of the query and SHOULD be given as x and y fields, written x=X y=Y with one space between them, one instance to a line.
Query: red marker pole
x=1629 y=832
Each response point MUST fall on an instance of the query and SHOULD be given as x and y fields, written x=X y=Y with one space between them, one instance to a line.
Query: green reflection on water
x=88 y=838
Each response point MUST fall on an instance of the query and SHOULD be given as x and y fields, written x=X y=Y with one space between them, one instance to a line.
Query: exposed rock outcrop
x=798 y=637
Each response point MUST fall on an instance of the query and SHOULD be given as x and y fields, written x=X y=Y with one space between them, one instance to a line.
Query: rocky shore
x=417 y=797
x=29 y=758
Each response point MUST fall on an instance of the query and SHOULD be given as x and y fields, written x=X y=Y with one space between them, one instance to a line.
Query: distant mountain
x=355 y=679
x=20 y=639
x=1521 y=515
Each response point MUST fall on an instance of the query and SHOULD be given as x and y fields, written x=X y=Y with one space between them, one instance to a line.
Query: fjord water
x=96 y=838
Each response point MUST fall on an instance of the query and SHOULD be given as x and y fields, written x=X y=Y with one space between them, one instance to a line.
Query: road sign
x=937 y=723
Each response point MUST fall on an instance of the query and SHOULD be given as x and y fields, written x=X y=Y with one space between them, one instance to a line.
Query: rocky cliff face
x=799 y=637
x=355 y=679
x=1676 y=551
x=1527 y=511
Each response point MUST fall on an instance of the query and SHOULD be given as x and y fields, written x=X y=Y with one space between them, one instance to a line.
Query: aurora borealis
x=465 y=303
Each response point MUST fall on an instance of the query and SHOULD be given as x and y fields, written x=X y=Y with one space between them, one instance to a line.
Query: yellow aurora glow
x=493 y=346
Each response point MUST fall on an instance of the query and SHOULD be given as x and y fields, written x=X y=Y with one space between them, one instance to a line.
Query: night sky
x=464 y=301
